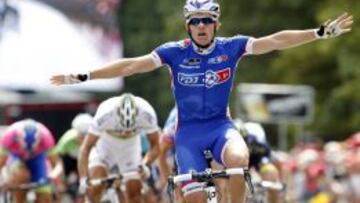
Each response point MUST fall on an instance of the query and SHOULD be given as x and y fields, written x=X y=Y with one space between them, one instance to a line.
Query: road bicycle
x=207 y=177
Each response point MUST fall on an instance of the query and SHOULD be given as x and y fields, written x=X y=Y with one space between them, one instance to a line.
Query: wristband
x=83 y=77
x=319 y=33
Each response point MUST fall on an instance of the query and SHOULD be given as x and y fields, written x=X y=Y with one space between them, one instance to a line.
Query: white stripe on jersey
x=249 y=46
x=156 y=59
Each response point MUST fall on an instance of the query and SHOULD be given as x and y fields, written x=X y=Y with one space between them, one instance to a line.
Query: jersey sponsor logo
x=100 y=121
x=208 y=79
x=218 y=59
x=188 y=67
x=148 y=117
x=191 y=79
x=191 y=63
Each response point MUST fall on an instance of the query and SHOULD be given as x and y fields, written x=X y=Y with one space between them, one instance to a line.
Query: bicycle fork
x=247 y=177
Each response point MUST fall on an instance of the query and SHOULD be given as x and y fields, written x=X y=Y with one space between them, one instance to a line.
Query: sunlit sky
x=44 y=43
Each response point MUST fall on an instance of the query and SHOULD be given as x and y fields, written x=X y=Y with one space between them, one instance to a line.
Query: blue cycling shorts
x=37 y=166
x=192 y=139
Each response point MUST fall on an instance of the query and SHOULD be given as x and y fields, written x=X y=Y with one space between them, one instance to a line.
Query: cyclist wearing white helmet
x=68 y=147
x=70 y=141
x=81 y=123
x=262 y=158
x=203 y=69
x=113 y=143
x=210 y=10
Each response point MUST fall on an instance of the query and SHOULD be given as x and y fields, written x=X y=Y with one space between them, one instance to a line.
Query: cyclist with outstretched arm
x=202 y=69
x=113 y=145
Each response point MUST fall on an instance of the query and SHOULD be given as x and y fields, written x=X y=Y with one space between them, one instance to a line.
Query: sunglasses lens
x=205 y=21
x=195 y=21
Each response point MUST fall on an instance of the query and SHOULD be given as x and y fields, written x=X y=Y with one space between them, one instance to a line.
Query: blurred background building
x=42 y=38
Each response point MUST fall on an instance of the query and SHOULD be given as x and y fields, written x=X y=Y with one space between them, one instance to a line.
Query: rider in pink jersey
x=15 y=141
x=25 y=147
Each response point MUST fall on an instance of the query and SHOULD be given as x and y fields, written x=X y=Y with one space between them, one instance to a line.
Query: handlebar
x=124 y=176
x=208 y=175
x=271 y=185
x=25 y=186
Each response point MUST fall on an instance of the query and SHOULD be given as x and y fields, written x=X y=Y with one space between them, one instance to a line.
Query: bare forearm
x=283 y=40
x=57 y=168
x=292 y=38
x=117 y=68
x=151 y=155
x=164 y=166
x=83 y=161
x=124 y=67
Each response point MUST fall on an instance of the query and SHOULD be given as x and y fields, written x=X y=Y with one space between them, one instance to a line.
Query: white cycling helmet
x=127 y=111
x=82 y=122
x=201 y=6
x=255 y=130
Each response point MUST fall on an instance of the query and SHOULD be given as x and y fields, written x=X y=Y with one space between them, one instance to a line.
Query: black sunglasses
x=197 y=21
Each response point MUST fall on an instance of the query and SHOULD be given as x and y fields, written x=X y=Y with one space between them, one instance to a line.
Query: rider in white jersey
x=202 y=69
x=113 y=143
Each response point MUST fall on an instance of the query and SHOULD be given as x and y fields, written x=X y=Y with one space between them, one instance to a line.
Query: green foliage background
x=332 y=67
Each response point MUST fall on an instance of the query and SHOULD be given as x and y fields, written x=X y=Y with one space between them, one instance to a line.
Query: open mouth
x=202 y=34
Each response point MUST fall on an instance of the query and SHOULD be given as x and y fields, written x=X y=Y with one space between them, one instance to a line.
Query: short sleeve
x=166 y=53
x=47 y=138
x=104 y=117
x=147 y=116
x=7 y=138
x=241 y=45
x=61 y=147
x=99 y=122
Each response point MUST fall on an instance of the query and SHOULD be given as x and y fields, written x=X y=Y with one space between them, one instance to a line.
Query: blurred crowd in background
x=324 y=172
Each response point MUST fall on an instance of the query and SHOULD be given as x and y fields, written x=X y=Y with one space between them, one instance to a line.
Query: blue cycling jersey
x=202 y=82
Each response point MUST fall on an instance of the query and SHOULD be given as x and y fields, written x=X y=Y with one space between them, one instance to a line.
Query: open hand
x=64 y=79
x=340 y=25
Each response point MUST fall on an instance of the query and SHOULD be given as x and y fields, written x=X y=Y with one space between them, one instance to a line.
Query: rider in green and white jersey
x=71 y=140
x=69 y=145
